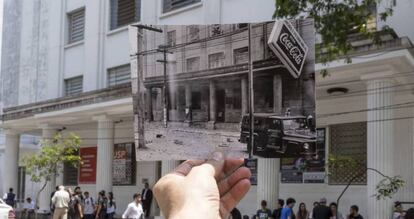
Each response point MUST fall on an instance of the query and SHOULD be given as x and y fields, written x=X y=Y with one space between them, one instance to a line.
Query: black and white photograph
x=197 y=87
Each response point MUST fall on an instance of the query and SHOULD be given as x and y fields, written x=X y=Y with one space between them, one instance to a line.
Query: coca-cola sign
x=289 y=46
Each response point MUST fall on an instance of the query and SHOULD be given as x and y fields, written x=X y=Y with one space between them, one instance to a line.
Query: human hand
x=203 y=189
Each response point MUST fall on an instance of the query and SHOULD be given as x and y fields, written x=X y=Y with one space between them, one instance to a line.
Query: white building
x=62 y=68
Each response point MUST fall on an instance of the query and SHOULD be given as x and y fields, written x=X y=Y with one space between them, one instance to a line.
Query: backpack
x=10 y=199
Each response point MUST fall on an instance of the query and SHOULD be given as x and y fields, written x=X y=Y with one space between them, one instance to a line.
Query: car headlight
x=306 y=146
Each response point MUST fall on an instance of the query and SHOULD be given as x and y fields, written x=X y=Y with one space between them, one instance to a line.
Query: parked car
x=280 y=136
x=6 y=212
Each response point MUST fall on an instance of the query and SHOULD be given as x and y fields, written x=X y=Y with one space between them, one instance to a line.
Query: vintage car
x=280 y=136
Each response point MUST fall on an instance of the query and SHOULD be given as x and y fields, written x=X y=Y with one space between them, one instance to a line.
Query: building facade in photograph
x=56 y=75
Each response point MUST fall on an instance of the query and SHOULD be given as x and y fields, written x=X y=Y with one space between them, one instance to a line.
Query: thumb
x=211 y=168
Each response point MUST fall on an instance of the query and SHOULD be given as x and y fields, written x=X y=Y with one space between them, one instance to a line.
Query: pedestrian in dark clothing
x=146 y=199
x=264 y=212
x=409 y=214
x=353 y=213
x=102 y=205
x=10 y=198
x=52 y=206
x=235 y=214
x=302 y=212
x=278 y=211
x=322 y=211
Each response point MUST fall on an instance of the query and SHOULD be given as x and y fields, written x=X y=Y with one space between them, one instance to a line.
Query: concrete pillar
x=244 y=95
x=150 y=116
x=167 y=166
x=11 y=160
x=188 y=111
x=277 y=94
x=380 y=144
x=48 y=133
x=213 y=105
x=105 y=153
x=268 y=181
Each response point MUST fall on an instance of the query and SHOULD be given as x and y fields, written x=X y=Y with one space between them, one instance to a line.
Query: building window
x=76 y=26
x=237 y=98
x=193 y=64
x=171 y=38
x=124 y=12
x=216 y=30
x=216 y=60
x=74 y=86
x=169 y=5
x=193 y=33
x=119 y=75
x=70 y=175
x=196 y=100
x=349 y=140
x=241 y=55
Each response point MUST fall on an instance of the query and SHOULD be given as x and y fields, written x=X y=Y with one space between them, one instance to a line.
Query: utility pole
x=139 y=117
x=163 y=49
x=251 y=95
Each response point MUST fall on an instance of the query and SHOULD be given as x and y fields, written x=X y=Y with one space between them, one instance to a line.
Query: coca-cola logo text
x=294 y=50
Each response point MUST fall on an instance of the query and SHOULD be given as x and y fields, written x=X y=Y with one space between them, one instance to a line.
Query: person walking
x=110 y=211
x=77 y=199
x=409 y=214
x=10 y=198
x=322 y=211
x=146 y=195
x=334 y=210
x=263 y=212
x=303 y=213
x=315 y=204
x=102 y=205
x=88 y=206
x=61 y=201
x=134 y=209
x=235 y=214
x=398 y=211
x=28 y=209
x=287 y=211
x=277 y=212
x=354 y=213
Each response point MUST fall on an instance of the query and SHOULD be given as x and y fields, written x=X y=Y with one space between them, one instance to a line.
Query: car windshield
x=292 y=124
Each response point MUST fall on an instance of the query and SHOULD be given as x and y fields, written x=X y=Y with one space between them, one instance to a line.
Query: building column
x=268 y=181
x=105 y=153
x=213 y=104
x=188 y=110
x=150 y=116
x=11 y=160
x=379 y=144
x=244 y=95
x=48 y=133
x=277 y=94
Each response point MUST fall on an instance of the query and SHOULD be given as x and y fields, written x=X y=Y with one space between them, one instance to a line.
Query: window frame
x=109 y=71
x=66 y=86
x=113 y=11
x=70 y=28
x=223 y=60
x=176 y=4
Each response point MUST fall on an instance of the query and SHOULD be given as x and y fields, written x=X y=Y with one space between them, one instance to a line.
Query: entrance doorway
x=221 y=105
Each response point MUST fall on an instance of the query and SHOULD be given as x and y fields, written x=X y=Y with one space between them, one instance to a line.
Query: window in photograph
x=237 y=98
x=171 y=37
x=193 y=64
x=169 y=5
x=196 y=100
x=241 y=55
x=119 y=75
x=124 y=12
x=76 y=26
x=349 y=140
x=216 y=60
x=74 y=86
x=193 y=33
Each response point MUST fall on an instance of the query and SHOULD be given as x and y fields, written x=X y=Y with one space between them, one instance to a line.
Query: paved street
x=181 y=143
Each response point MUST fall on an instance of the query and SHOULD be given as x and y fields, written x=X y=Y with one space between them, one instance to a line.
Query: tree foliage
x=335 y=20
x=53 y=154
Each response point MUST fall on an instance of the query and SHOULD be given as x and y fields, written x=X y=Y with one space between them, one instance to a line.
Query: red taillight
x=12 y=215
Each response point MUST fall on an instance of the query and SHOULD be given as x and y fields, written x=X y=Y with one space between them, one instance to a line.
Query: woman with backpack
x=110 y=210
x=102 y=206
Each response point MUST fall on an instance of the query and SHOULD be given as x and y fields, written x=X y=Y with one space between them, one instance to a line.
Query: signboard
x=288 y=46
x=252 y=165
x=123 y=171
x=302 y=170
x=87 y=171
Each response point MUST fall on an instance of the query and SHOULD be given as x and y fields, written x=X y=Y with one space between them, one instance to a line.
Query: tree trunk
x=37 y=198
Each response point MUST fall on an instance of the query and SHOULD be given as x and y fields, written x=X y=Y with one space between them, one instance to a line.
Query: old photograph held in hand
x=196 y=89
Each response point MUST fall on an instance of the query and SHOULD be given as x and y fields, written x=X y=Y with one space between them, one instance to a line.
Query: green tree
x=336 y=20
x=44 y=166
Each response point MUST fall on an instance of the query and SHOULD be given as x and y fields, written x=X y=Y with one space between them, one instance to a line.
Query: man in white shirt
x=88 y=206
x=134 y=209
x=61 y=201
